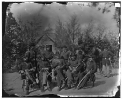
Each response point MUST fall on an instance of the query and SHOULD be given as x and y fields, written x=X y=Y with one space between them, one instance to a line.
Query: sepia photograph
x=61 y=49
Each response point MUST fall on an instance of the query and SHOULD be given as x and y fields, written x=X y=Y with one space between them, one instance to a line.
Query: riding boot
x=59 y=88
x=49 y=86
x=27 y=87
x=66 y=87
x=42 y=88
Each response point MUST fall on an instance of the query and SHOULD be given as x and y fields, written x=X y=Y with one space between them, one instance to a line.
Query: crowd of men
x=67 y=68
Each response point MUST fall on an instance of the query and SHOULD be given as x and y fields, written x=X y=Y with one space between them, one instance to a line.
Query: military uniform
x=43 y=78
x=30 y=75
x=58 y=64
x=106 y=55
x=65 y=56
x=46 y=69
x=91 y=66
x=96 y=56
x=71 y=70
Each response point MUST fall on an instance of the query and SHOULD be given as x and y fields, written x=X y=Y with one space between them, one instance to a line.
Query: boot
x=42 y=88
x=67 y=87
x=59 y=88
x=49 y=89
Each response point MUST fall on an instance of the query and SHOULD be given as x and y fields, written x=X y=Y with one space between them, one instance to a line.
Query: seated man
x=90 y=69
x=58 y=65
x=72 y=70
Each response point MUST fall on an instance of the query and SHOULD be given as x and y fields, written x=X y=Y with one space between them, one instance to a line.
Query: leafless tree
x=73 y=28
x=34 y=28
x=61 y=36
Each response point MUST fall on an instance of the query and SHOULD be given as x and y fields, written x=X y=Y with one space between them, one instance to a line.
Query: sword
x=82 y=79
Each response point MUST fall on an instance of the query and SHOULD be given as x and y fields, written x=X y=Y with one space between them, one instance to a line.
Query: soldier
x=30 y=60
x=96 y=56
x=65 y=54
x=46 y=68
x=106 y=57
x=90 y=69
x=58 y=65
x=77 y=66
x=71 y=67
x=39 y=63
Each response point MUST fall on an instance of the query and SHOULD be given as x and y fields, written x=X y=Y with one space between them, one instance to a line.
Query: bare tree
x=61 y=36
x=73 y=28
x=34 y=28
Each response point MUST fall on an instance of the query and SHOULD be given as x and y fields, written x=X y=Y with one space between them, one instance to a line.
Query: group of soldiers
x=67 y=68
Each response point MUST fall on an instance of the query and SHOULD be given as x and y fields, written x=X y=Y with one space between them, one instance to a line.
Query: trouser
x=53 y=76
x=60 y=76
x=30 y=76
x=100 y=67
x=28 y=83
x=45 y=79
x=106 y=70
x=69 y=78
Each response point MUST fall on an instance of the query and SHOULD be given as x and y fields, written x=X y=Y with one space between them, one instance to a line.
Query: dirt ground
x=104 y=86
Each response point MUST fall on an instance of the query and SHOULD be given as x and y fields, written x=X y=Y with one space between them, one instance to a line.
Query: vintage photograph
x=64 y=49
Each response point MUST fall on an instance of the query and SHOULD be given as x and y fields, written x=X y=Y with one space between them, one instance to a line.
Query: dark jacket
x=48 y=55
x=91 y=66
x=65 y=55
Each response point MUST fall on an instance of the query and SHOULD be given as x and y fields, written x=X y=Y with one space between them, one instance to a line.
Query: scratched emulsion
x=75 y=25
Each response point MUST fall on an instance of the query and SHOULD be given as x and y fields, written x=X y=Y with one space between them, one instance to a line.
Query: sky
x=50 y=13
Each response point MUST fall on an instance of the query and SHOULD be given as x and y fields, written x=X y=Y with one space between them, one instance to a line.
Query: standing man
x=106 y=57
x=30 y=60
x=48 y=55
x=58 y=65
x=96 y=54
x=65 y=56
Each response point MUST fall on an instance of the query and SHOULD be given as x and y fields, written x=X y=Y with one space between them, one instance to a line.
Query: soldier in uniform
x=58 y=65
x=30 y=60
x=45 y=67
x=106 y=57
x=96 y=56
x=90 y=69
x=65 y=54
x=73 y=64
x=76 y=67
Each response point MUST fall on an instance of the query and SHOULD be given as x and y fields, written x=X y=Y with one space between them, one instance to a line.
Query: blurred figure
x=46 y=67
x=58 y=66
x=30 y=60
x=106 y=57
x=96 y=56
